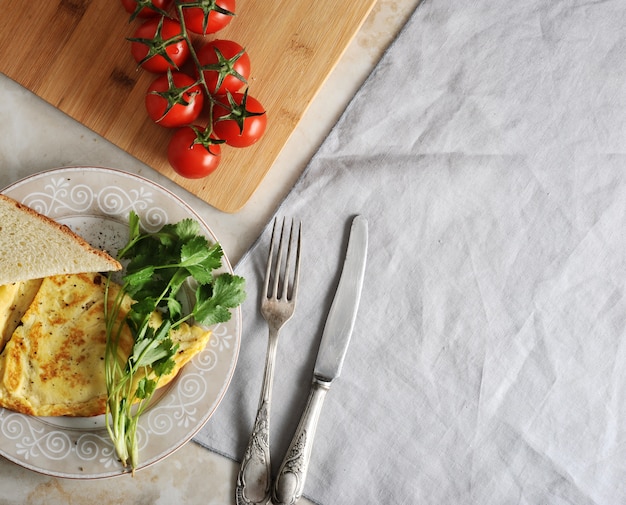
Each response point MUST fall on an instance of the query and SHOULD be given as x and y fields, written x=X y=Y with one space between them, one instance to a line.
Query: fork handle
x=254 y=478
x=291 y=477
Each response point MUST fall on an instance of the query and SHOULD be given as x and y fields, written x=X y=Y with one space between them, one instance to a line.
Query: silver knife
x=289 y=483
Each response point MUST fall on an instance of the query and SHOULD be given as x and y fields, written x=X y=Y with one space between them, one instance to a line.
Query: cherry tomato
x=238 y=119
x=191 y=155
x=156 y=41
x=145 y=8
x=225 y=64
x=174 y=100
x=207 y=16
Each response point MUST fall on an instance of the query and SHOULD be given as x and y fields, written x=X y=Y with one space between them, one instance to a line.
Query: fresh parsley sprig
x=159 y=265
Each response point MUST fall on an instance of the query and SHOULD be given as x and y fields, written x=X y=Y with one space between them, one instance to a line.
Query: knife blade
x=291 y=477
x=342 y=314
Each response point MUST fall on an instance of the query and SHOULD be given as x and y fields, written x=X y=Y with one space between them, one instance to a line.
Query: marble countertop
x=35 y=136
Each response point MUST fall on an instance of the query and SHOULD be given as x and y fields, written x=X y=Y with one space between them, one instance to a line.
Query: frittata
x=53 y=362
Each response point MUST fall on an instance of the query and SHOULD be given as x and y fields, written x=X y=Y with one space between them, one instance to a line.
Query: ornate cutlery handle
x=292 y=473
x=254 y=478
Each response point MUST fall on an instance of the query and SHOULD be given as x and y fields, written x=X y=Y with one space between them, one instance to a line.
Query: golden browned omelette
x=53 y=362
x=14 y=301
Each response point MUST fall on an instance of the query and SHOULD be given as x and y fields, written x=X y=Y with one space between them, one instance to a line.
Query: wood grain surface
x=74 y=54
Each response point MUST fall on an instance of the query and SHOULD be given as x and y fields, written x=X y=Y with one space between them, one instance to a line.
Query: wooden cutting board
x=74 y=54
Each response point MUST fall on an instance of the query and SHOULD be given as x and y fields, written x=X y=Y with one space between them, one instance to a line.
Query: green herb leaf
x=187 y=229
x=214 y=301
x=140 y=312
x=194 y=252
x=145 y=388
x=165 y=366
x=152 y=347
x=133 y=226
x=140 y=277
x=175 y=309
x=203 y=272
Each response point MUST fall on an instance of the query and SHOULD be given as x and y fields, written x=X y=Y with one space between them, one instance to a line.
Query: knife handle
x=289 y=483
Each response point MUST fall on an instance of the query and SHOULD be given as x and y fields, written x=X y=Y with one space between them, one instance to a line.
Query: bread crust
x=114 y=265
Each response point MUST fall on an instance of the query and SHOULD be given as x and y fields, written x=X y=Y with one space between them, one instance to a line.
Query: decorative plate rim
x=78 y=451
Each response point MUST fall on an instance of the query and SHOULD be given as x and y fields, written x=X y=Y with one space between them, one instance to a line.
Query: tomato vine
x=171 y=38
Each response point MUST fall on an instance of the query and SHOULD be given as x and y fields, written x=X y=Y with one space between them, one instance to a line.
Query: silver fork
x=277 y=306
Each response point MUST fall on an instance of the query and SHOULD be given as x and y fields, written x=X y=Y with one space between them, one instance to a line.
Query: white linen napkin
x=488 y=362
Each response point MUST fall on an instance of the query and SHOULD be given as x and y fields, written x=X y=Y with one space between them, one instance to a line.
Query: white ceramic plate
x=95 y=203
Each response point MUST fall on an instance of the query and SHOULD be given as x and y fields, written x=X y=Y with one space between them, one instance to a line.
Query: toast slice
x=33 y=246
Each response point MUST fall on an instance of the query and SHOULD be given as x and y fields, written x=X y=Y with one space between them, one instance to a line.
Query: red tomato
x=211 y=18
x=174 y=100
x=145 y=8
x=191 y=155
x=225 y=64
x=238 y=119
x=155 y=38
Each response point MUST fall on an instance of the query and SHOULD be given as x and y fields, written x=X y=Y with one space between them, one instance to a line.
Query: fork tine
x=296 y=275
x=279 y=261
x=284 y=294
x=268 y=269
x=290 y=256
x=287 y=283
